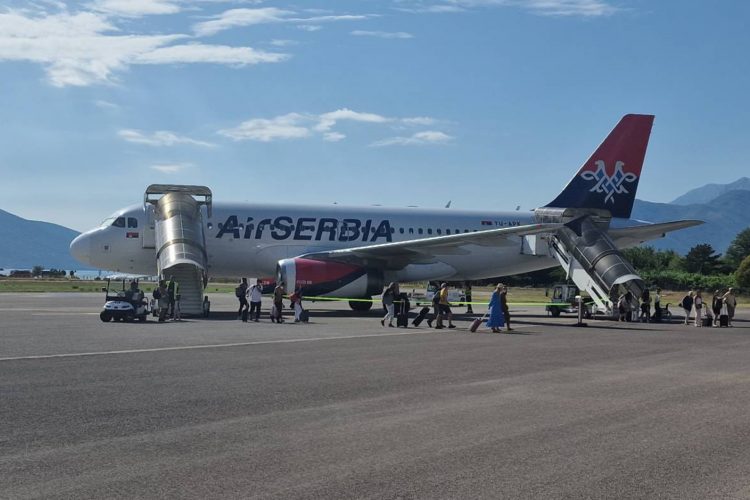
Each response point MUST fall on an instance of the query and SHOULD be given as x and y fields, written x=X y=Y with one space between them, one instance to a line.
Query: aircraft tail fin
x=609 y=178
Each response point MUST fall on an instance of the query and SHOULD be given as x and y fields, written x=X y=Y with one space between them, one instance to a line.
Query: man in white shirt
x=255 y=295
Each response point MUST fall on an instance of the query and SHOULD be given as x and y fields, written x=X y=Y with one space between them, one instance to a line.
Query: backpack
x=238 y=291
x=436 y=299
x=157 y=294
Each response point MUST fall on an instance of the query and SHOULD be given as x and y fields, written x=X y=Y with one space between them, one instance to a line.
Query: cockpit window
x=132 y=222
x=119 y=222
x=107 y=222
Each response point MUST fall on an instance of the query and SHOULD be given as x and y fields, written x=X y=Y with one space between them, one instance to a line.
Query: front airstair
x=180 y=242
x=593 y=262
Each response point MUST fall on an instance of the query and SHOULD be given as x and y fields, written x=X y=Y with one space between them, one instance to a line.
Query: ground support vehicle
x=563 y=300
x=126 y=304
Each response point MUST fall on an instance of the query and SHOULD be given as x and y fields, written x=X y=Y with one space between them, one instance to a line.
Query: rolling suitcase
x=707 y=321
x=244 y=315
x=421 y=316
x=476 y=323
x=402 y=320
x=304 y=316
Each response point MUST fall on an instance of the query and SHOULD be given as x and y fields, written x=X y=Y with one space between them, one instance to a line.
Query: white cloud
x=299 y=125
x=159 y=138
x=170 y=168
x=200 y=53
x=259 y=129
x=419 y=120
x=382 y=34
x=240 y=17
x=563 y=8
x=235 y=18
x=80 y=49
x=418 y=139
x=310 y=27
x=333 y=136
x=283 y=43
x=328 y=120
x=135 y=8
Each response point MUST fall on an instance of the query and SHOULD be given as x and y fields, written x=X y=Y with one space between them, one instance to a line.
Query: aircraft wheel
x=555 y=312
x=142 y=318
x=360 y=306
x=105 y=316
x=129 y=318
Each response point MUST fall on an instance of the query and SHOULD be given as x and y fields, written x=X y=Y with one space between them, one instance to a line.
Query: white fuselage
x=249 y=239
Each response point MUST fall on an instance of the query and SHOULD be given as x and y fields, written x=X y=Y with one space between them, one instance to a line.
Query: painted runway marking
x=209 y=346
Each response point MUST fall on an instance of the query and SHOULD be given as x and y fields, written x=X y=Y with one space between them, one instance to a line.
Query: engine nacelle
x=324 y=278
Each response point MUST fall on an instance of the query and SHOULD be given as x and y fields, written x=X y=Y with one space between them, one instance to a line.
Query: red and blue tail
x=609 y=179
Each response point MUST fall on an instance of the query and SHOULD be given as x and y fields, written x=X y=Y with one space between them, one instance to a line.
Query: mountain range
x=26 y=243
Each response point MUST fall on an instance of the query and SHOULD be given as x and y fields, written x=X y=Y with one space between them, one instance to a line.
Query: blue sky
x=488 y=103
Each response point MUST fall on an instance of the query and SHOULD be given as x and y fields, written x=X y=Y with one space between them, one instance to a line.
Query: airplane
x=351 y=252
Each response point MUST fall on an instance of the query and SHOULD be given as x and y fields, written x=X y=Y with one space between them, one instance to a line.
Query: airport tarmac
x=343 y=408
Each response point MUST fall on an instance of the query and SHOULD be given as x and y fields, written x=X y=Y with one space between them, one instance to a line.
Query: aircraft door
x=148 y=238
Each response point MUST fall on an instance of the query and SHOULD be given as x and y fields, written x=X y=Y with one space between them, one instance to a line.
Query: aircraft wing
x=631 y=236
x=397 y=255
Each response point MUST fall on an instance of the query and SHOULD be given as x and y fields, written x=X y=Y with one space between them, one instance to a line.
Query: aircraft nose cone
x=80 y=248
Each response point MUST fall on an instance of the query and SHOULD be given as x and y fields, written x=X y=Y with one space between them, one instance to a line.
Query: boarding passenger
x=445 y=308
x=173 y=289
x=296 y=299
x=645 y=306
x=278 y=304
x=698 y=306
x=496 y=319
x=241 y=293
x=256 y=296
x=731 y=302
x=162 y=300
x=506 y=309
x=389 y=295
x=657 y=306
x=716 y=302
x=687 y=305
x=435 y=309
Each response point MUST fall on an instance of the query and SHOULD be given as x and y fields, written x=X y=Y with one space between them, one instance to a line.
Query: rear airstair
x=593 y=262
x=179 y=239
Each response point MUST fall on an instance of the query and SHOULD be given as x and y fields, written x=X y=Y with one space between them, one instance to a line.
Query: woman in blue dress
x=496 y=319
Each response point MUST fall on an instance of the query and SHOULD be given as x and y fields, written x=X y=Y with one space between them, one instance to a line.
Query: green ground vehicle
x=563 y=300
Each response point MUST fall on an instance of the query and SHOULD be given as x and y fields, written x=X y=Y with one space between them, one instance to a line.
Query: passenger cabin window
x=419 y=230
x=429 y=231
x=132 y=222
x=119 y=222
x=439 y=232
x=401 y=230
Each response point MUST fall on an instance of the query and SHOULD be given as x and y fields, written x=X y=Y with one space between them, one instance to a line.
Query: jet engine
x=327 y=278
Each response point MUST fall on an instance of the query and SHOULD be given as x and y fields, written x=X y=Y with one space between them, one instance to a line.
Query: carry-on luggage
x=244 y=315
x=402 y=320
x=477 y=321
x=724 y=320
x=707 y=321
x=304 y=316
x=421 y=316
x=402 y=316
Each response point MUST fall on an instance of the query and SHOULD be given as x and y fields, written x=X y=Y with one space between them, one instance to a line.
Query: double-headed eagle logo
x=609 y=184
